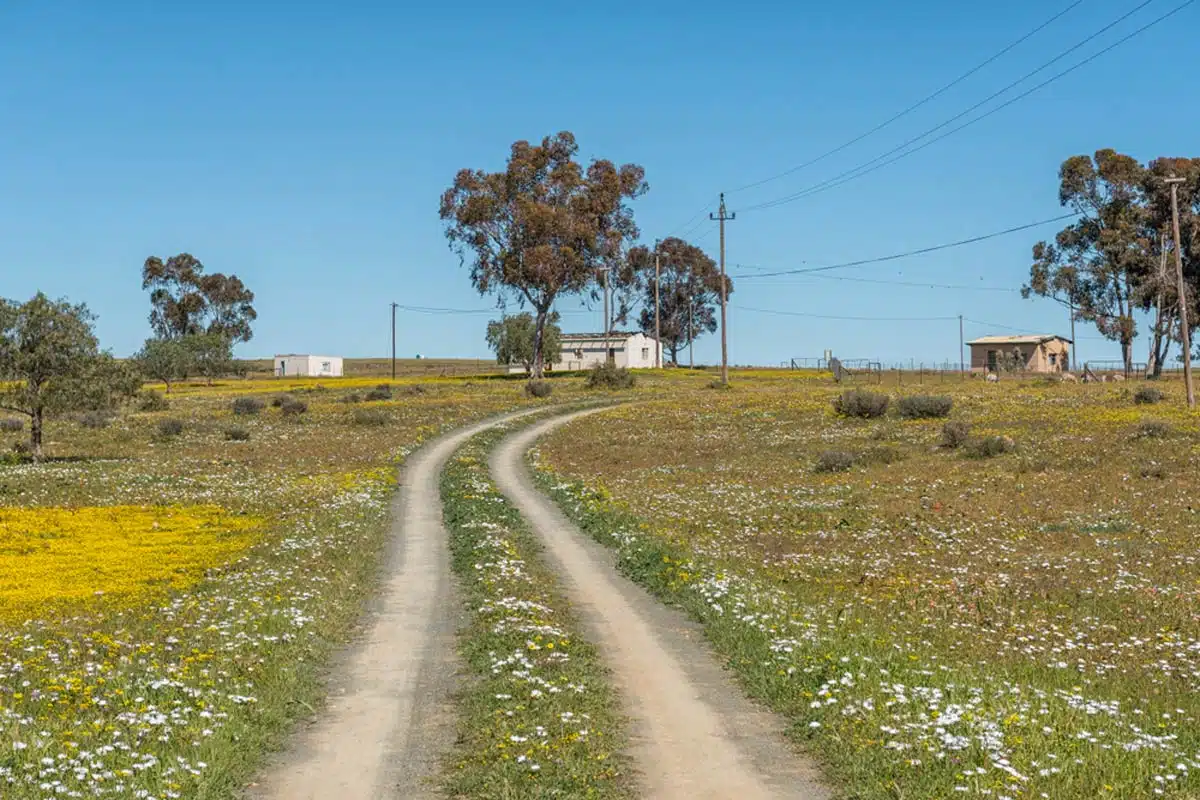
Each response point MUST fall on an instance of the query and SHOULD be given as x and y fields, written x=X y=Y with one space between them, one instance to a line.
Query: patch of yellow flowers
x=53 y=558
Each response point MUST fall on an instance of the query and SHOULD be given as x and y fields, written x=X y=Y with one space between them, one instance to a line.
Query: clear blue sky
x=303 y=146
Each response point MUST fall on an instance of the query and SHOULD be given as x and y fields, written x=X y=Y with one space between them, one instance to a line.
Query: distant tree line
x=1118 y=258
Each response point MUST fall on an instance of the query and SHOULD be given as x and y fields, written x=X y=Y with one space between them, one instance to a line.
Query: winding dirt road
x=695 y=734
x=388 y=720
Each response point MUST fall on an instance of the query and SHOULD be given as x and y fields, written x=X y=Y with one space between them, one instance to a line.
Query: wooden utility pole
x=962 y=364
x=657 y=312
x=721 y=217
x=1174 y=182
x=394 y=305
x=1071 y=307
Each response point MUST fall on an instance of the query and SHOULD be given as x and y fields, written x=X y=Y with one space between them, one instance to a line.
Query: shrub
x=715 y=383
x=1153 y=429
x=1153 y=470
x=280 y=400
x=834 y=461
x=414 y=389
x=955 y=434
x=924 y=406
x=353 y=397
x=170 y=428
x=539 y=389
x=380 y=392
x=95 y=420
x=862 y=404
x=882 y=455
x=21 y=449
x=990 y=446
x=11 y=425
x=236 y=433
x=248 y=406
x=372 y=417
x=150 y=400
x=293 y=407
x=1147 y=395
x=609 y=376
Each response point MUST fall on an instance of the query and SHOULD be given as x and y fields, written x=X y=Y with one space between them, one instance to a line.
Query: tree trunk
x=35 y=435
x=1127 y=353
x=539 y=327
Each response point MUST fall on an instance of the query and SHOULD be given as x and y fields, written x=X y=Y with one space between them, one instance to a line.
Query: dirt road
x=695 y=735
x=388 y=721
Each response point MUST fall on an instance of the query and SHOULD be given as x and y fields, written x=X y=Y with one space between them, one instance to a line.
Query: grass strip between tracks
x=538 y=717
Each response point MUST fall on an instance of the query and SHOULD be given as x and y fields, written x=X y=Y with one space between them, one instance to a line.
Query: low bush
x=955 y=434
x=1153 y=429
x=370 y=417
x=414 y=389
x=353 y=397
x=380 y=392
x=882 y=455
x=1147 y=395
x=95 y=420
x=861 y=403
x=924 y=406
x=280 y=400
x=11 y=425
x=236 y=433
x=150 y=400
x=170 y=428
x=248 y=406
x=1153 y=470
x=715 y=383
x=293 y=407
x=834 y=461
x=609 y=376
x=539 y=389
x=990 y=446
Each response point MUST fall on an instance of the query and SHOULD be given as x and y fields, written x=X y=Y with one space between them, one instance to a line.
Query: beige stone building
x=1033 y=353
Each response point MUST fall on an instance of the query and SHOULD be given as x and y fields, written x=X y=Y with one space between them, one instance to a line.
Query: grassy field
x=1015 y=617
x=167 y=601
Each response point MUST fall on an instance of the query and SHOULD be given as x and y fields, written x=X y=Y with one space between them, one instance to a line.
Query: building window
x=325 y=366
x=1053 y=359
x=645 y=352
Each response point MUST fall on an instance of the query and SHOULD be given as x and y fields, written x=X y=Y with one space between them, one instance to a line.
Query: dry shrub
x=955 y=434
x=236 y=433
x=369 y=417
x=170 y=428
x=150 y=400
x=861 y=404
x=990 y=446
x=1153 y=429
x=248 y=406
x=11 y=425
x=280 y=400
x=834 y=461
x=293 y=407
x=610 y=376
x=1147 y=395
x=924 y=406
x=95 y=420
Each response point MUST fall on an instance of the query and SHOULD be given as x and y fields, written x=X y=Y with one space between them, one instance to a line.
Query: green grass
x=538 y=718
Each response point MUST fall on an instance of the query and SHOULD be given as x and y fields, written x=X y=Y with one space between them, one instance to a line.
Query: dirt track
x=695 y=735
x=387 y=722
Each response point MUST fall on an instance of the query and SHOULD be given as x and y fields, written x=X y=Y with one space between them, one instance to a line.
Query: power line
x=433 y=310
x=837 y=317
x=909 y=253
x=919 y=284
x=874 y=164
x=915 y=105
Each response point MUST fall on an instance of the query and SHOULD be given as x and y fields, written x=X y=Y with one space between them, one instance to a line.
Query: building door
x=612 y=355
x=992 y=355
x=282 y=367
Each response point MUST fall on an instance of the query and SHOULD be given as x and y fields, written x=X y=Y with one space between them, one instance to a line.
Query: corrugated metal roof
x=1032 y=338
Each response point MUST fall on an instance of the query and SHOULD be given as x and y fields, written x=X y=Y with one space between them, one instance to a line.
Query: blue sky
x=303 y=146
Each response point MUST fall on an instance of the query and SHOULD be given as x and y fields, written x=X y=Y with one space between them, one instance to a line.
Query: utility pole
x=1174 y=182
x=721 y=217
x=394 y=306
x=1071 y=307
x=962 y=364
x=691 y=333
x=657 y=312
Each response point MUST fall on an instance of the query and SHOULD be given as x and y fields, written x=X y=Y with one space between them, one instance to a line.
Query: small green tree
x=165 y=360
x=51 y=362
x=211 y=355
x=512 y=340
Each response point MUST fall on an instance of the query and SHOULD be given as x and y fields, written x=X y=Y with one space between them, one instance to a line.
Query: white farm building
x=291 y=365
x=581 y=351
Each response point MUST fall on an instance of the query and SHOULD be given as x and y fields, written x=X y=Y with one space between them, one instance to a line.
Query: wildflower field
x=171 y=584
x=1007 y=606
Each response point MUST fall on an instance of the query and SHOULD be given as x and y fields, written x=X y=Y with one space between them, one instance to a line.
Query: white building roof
x=1032 y=338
